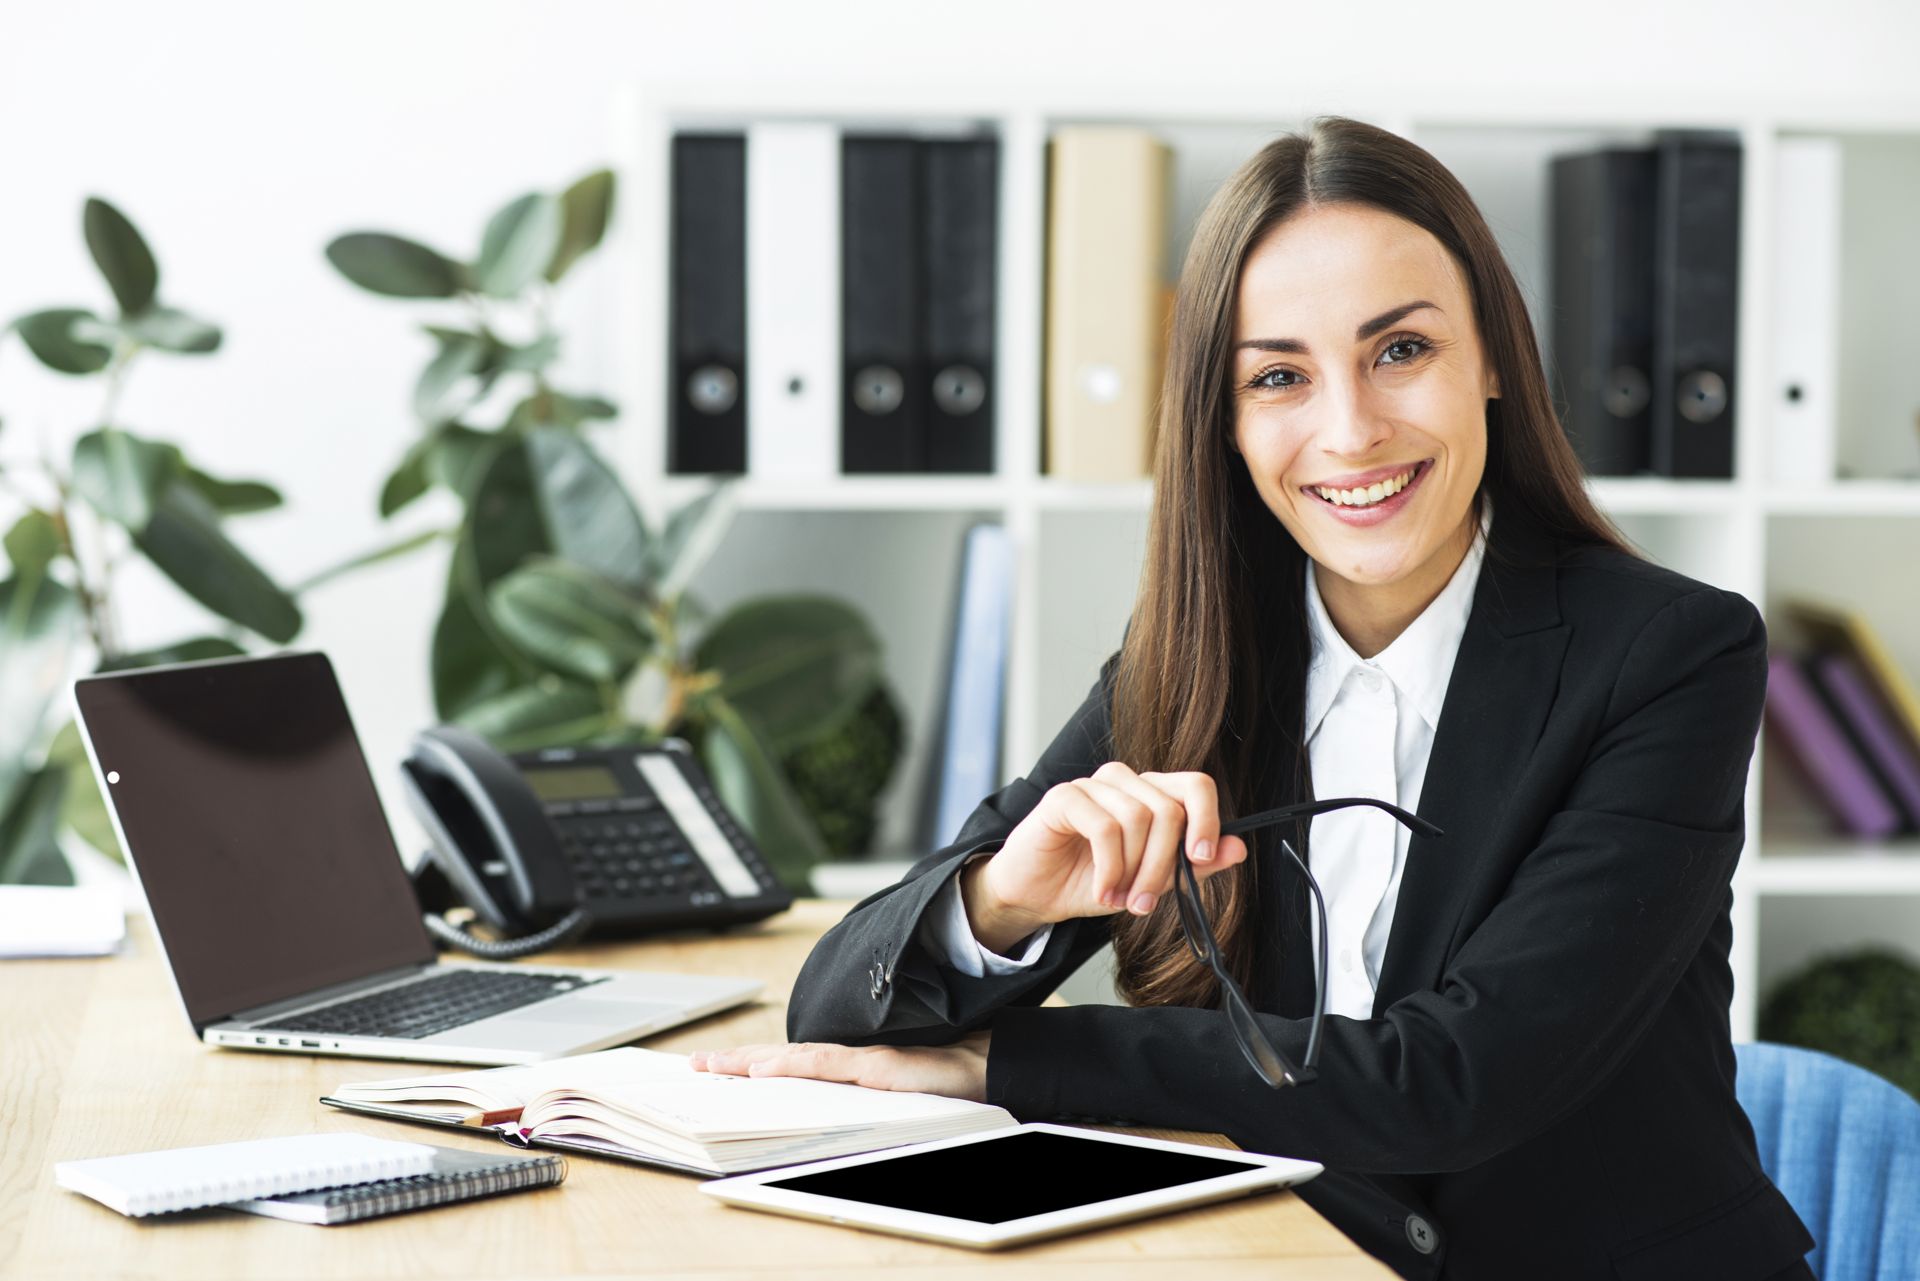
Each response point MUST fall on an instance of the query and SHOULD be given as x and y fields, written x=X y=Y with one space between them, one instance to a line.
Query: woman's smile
x=1365 y=505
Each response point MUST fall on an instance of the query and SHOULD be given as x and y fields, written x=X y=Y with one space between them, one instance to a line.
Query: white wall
x=242 y=137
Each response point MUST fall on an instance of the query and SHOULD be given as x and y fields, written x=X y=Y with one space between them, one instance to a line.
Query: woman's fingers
x=1169 y=820
x=1114 y=826
x=957 y=1070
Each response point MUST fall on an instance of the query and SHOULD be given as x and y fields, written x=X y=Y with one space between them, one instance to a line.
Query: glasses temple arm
x=1268 y=818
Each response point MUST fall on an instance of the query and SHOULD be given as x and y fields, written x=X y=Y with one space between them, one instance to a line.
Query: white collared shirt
x=1370 y=726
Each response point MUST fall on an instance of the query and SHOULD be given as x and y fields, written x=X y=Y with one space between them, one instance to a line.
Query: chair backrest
x=1843 y=1145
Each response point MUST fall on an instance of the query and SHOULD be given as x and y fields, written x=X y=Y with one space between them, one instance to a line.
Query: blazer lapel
x=1502 y=686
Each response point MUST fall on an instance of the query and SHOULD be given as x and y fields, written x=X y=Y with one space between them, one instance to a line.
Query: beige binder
x=1106 y=300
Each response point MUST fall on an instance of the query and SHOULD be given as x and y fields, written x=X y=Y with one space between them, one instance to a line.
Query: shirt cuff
x=945 y=933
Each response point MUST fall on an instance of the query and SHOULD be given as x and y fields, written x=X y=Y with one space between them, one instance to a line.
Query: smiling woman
x=1372 y=572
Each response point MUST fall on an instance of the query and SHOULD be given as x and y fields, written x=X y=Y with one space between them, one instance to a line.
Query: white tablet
x=1009 y=1186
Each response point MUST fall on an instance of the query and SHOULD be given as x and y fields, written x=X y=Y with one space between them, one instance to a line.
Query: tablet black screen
x=997 y=1180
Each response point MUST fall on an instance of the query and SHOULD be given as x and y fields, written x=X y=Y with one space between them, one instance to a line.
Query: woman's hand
x=958 y=1071
x=1095 y=846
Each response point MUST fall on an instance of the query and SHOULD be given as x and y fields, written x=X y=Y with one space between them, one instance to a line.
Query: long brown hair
x=1212 y=670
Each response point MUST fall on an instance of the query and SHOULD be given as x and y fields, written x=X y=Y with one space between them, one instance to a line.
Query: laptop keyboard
x=434 y=1004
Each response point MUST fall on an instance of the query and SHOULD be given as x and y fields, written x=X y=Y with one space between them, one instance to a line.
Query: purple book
x=1817 y=742
x=1882 y=742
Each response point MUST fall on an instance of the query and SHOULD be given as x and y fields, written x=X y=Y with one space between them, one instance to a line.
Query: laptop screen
x=245 y=801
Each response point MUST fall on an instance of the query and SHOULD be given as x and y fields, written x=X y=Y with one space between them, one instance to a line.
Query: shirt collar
x=1419 y=661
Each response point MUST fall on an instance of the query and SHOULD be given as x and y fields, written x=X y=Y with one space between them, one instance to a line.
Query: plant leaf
x=195 y=650
x=691 y=537
x=122 y=476
x=448 y=384
x=185 y=542
x=83 y=809
x=519 y=242
x=548 y=493
x=122 y=256
x=459 y=456
x=395 y=267
x=585 y=209
x=469 y=661
x=751 y=784
x=233 y=497
x=570 y=620
x=32 y=543
x=536 y=355
x=798 y=666
x=407 y=481
x=49 y=336
x=590 y=518
x=550 y=408
x=173 y=330
x=546 y=713
x=30 y=831
x=38 y=621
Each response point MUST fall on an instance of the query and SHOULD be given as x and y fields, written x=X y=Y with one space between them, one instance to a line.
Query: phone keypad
x=630 y=853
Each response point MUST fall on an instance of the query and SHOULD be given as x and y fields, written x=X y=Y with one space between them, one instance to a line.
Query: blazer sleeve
x=869 y=979
x=1541 y=1004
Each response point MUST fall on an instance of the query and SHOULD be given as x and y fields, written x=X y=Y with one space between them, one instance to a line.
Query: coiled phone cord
x=564 y=930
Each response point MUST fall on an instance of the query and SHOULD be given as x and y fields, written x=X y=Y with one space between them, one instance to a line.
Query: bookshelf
x=1854 y=538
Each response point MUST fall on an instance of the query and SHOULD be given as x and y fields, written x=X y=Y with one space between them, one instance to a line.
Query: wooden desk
x=97 y=1059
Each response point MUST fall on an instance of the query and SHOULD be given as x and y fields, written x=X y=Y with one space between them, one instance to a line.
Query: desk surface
x=96 y=1058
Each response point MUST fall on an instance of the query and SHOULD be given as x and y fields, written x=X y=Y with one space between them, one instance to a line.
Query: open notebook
x=646 y=1106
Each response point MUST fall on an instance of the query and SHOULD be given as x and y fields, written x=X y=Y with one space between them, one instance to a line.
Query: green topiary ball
x=839 y=776
x=1862 y=1006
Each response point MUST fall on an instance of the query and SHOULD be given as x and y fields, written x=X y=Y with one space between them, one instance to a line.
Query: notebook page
x=183 y=1178
x=503 y=1088
x=710 y=1107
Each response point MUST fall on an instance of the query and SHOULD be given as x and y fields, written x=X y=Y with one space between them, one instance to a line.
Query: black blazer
x=1545 y=1089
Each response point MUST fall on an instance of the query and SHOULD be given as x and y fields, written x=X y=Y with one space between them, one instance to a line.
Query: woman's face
x=1357 y=364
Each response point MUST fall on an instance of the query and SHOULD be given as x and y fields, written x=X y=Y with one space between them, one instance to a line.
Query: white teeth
x=1369 y=495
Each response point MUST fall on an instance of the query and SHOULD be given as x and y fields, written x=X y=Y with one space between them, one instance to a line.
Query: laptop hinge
x=327 y=995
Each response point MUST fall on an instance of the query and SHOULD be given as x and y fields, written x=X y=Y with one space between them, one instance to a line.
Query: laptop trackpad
x=599 y=1015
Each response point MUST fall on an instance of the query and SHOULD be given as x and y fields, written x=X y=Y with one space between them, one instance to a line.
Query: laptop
x=243 y=800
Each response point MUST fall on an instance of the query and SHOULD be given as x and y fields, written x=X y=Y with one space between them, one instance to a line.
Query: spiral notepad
x=185 y=1178
x=457 y=1175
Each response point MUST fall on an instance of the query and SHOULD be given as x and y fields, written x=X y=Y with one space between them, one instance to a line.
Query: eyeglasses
x=1273 y=1066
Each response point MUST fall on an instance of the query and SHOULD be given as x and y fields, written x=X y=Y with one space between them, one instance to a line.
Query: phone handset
x=491 y=841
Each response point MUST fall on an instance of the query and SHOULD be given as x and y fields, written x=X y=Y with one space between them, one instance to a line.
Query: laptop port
x=285 y=1041
x=259 y=1040
x=311 y=1045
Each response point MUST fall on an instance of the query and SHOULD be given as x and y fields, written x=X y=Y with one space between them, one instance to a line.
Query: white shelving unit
x=891 y=543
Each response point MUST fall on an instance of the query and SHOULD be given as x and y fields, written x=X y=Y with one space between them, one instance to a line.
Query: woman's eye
x=1262 y=380
x=1409 y=348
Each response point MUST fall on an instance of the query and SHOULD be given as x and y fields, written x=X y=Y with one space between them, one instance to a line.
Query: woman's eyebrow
x=1368 y=329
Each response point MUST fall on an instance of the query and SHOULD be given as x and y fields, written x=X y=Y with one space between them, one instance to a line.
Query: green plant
x=566 y=619
x=116 y=495
x=1861 y=1006
x=840 y=775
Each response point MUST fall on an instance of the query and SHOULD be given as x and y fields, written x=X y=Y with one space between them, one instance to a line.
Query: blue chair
x=1843 y=1145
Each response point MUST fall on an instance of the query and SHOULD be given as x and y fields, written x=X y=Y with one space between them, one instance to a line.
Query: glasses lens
x=1253 y=1041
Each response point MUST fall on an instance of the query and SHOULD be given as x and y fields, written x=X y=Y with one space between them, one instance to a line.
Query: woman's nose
x=1352 y=425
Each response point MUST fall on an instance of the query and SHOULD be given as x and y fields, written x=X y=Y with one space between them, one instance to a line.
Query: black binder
x=1696 y=301
x=961 y=202
x=707 y=305
x=884 y=375
x=1601 y=211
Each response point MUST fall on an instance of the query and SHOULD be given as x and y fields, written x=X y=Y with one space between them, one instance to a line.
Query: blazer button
x=876 y=980
x=1421 y=1236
